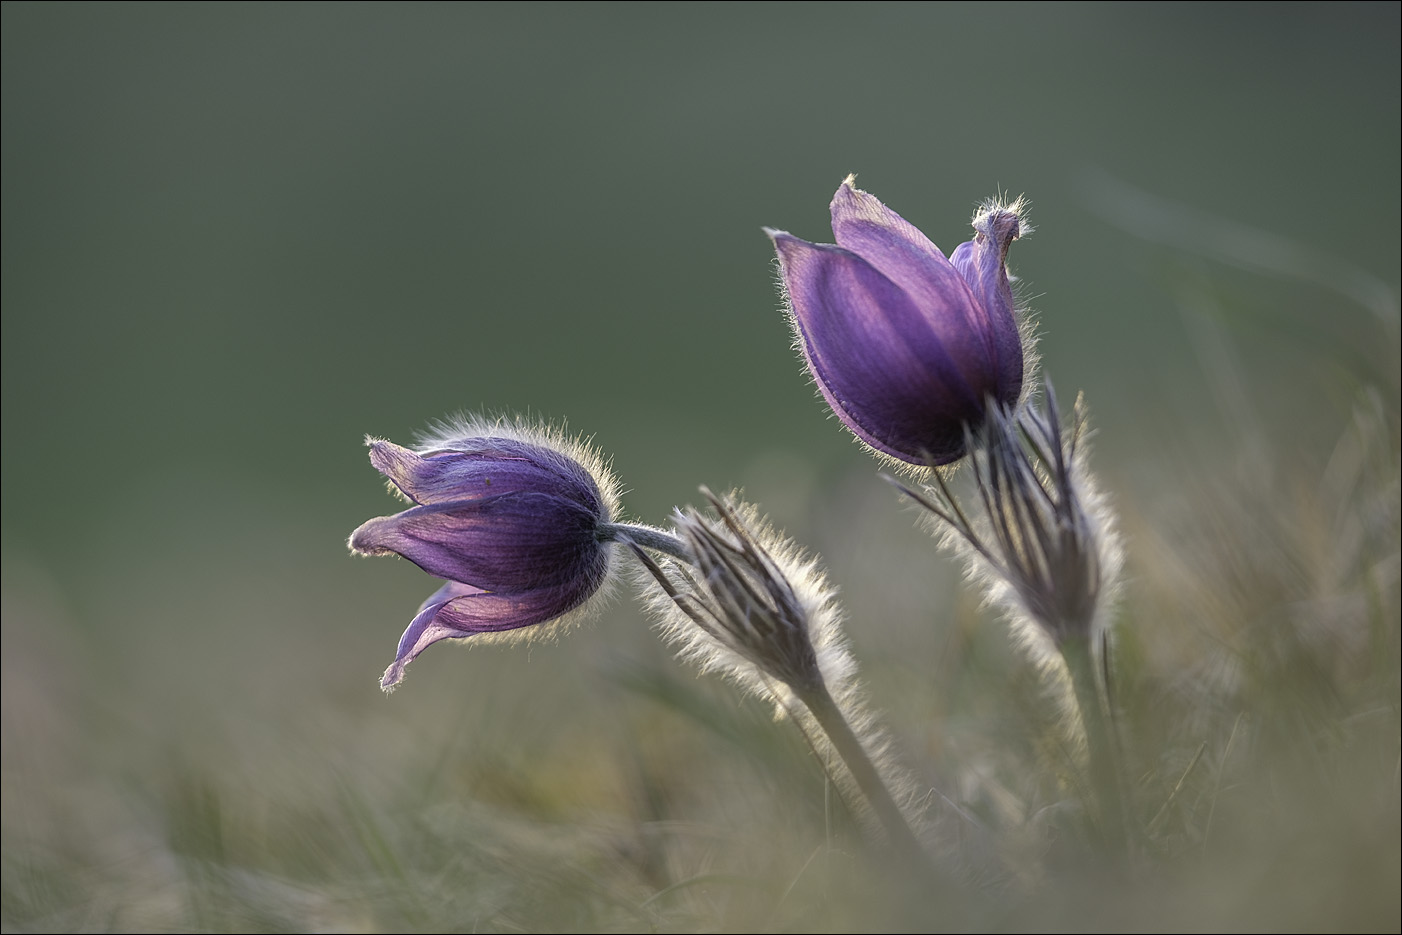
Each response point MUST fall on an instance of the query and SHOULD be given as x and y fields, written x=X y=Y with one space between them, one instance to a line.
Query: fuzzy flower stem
x=1036 y=536
x=829 y=717
x=1106 y=775
x=647 y=537
x=735 y=593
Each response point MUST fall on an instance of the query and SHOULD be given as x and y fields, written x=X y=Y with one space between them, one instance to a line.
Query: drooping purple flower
x=906 y=345
x=512 y=518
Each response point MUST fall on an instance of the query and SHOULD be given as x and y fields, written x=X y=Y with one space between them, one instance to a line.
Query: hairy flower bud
x=1039 y=535
x=754 y=600
x=905 y=344
x=742 y=600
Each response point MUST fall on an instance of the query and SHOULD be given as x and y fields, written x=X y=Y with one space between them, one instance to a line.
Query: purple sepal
x=509 y=542
x=457 y=611
x=480 y=467
x=983 y=264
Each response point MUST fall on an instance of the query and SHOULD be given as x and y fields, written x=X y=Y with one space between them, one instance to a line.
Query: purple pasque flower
x=513 y=519
x=906 y=346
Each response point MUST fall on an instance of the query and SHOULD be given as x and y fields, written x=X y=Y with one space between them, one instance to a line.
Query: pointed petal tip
x=847 y=193
x=787 y=246
x=366 y=538
x=400 y=466
x=849 y=197
x=383 y=453
x=379 y=447
x=392 y=677
x=785 y=243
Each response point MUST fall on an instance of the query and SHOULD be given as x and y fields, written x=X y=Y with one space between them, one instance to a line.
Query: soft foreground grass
x=1257 y=679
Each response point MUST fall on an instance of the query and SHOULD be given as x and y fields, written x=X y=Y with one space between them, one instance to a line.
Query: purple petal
x=456 y=611
x=424 y=630
x=896 y=248
x=511 y=542
x=536 y=466
x=982 y=262
x=444 y=476
x=879 y=359
x=863 y=225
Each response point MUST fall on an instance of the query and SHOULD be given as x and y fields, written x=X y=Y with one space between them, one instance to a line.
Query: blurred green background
x=236 y=238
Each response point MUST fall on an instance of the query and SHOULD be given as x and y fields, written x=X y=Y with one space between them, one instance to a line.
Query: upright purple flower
x=906 y=346
x=514 y=519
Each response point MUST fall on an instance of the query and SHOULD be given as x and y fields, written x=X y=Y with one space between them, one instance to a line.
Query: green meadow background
x=239 y=237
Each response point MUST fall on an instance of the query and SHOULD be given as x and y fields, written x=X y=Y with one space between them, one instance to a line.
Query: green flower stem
x=898 y=831
x=647 y=537
x=1106 y=775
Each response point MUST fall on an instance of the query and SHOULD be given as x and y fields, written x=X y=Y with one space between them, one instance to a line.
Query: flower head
x=750 y=604
x=510 y=516
x=1039 y=536
x=906 y=345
